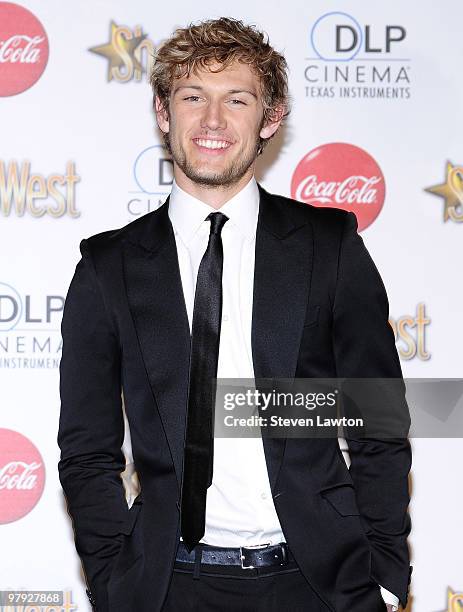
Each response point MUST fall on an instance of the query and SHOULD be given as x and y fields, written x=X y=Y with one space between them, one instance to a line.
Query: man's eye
x=194 y=98
x=237 y=102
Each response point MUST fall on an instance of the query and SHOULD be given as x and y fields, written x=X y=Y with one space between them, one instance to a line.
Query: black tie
x=199 y=441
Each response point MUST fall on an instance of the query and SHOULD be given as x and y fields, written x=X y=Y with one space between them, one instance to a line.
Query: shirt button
x=225 y=318
x=263 y=495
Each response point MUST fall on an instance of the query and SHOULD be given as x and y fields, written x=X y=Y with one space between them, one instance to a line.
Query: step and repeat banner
x=375 y=128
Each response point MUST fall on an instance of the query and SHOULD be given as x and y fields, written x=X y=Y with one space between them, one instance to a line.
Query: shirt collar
x=187 y=213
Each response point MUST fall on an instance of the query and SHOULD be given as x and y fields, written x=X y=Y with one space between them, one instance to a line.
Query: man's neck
x=214 y=196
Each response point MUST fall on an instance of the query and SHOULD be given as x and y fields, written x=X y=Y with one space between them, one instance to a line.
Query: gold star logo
x=454 y=601
x=452 y=192
x=124 y=52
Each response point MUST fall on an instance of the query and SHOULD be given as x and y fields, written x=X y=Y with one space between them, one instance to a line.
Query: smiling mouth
x=213 y=145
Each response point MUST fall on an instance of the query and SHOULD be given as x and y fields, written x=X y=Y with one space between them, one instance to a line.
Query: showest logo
x=22 y=192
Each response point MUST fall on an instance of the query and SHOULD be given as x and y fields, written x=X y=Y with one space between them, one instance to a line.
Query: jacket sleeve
x=364 y=347
x=91 y=428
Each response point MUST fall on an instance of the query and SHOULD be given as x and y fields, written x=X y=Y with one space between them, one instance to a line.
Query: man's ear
x=273 y=123
x=162 y=115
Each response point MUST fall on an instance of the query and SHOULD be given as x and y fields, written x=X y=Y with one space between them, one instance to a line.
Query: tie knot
x=217 y=220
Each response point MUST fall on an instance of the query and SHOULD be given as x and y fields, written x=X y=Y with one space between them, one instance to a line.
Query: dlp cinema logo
x=29 y=329
x=339 y=36
x=350 y=59
x=152 y=179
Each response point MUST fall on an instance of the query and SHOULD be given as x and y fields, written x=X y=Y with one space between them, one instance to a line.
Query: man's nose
x=214 y=116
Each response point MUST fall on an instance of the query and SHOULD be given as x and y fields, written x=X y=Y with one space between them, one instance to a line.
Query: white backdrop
x=100 y=133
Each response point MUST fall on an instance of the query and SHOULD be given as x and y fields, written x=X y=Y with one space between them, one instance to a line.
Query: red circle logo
x=22 y=476
x=341 y=175
x=23 y=49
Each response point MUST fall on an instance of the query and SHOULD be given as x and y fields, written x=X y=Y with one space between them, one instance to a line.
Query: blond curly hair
x=222 y=41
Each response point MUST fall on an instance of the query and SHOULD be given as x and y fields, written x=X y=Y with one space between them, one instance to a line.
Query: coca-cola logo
x=23 y=49
x=22 y=476
x=341 y=175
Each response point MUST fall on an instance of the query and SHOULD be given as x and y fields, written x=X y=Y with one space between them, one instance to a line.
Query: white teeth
x=212 y=144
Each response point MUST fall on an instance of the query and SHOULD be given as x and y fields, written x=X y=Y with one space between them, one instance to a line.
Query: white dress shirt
x=239 y=506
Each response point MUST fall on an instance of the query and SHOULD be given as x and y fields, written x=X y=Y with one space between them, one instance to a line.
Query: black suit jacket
x=319 y=310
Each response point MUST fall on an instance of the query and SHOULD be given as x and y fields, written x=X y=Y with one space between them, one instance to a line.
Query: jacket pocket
x=132 y=543
x=133 y=515
x=342 y=499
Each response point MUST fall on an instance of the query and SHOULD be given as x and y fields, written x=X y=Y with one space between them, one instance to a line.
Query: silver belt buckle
x=242 y=556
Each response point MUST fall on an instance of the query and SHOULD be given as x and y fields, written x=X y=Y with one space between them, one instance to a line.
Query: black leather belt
x=244 y=557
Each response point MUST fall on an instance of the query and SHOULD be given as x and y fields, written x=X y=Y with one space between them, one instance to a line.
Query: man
x=226 y=280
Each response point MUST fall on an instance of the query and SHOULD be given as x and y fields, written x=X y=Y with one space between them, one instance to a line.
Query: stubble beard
x=226 y=178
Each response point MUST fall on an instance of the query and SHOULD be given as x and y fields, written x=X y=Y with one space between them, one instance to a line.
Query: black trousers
x=252 y=590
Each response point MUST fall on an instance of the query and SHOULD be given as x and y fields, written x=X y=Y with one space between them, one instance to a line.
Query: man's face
x=214 y=124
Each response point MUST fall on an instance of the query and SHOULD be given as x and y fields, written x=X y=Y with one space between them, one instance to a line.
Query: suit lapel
x=283 y=267
x=282 y=276
x=157 y=305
